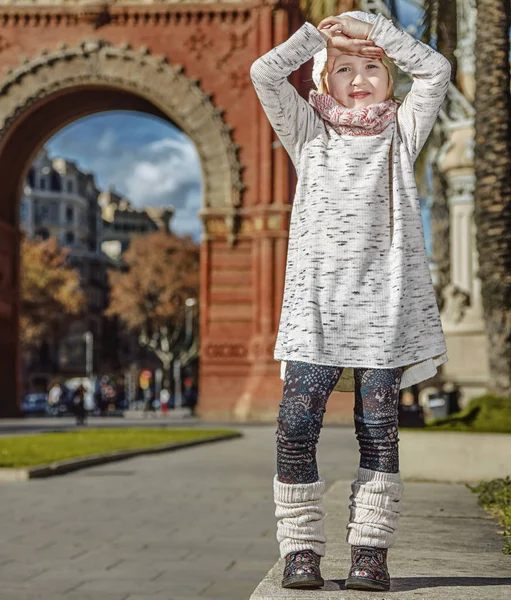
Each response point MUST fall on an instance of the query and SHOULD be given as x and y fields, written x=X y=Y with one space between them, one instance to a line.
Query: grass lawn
x=490 y=414
x=31 y=450
x=495 y=496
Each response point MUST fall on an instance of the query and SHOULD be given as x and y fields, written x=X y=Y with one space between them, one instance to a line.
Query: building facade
x=59 y=200
x=122 y=222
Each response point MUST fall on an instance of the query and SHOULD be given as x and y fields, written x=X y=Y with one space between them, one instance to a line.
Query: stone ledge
x=447 y=548
x=452 y=456
x=74 y=464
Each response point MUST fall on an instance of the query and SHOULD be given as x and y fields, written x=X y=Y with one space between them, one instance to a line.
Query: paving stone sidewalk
x=200 y=523
x=194 y=524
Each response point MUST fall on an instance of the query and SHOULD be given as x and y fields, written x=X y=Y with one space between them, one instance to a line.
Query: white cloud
x=107 y=141
x=165 y=172
x=149 y=161
x=186 y=219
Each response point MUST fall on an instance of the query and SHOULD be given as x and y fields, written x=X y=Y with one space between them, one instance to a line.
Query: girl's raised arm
x=431 y=74
x=293 y=118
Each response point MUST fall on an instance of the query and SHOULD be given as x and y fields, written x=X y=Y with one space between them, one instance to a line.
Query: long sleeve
x=293 y=118
x=431 y=73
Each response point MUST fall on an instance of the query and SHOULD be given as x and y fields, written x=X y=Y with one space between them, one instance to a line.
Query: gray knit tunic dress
x=358 y=290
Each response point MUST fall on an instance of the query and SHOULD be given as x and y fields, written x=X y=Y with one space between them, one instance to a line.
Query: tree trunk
x=447 y=32
x=440 y=233
x=442 y=24
x=492 y=197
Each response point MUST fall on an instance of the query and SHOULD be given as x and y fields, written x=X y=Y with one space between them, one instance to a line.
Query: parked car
x=35 y=404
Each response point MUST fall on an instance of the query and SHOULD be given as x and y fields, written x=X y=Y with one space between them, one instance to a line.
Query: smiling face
x=357 y=82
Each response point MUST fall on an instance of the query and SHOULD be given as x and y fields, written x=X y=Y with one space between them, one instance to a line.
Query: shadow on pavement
x=402 y=584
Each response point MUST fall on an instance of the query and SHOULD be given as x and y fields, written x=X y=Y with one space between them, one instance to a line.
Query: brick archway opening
x=34 y=110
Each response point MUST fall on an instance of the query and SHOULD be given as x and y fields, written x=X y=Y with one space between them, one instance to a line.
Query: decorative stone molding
x=456 y=304
x=226 y=350
x=119 y=14
x=116 y=3
x=97 y=63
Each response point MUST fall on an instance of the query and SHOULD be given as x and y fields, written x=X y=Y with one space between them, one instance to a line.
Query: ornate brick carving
x=226 y=350
x=4 y=44
x=199 y=43
x=119 y=13
x=232 y=62
x=96 y=62
x=116 y=3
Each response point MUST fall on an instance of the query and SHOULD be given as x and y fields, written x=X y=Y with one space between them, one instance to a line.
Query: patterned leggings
x=307 y=388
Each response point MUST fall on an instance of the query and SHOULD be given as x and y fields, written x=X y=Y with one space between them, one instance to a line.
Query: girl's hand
x=348 y=26
x=338 y=42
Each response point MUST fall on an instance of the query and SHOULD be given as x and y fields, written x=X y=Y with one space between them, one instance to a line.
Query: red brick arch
x=188 y=63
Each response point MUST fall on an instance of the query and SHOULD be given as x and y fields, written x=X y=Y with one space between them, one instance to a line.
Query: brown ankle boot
x=302 y=570
x=368 y=569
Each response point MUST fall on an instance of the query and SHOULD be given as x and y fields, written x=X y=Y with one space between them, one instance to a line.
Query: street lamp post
x=189 y=304
x=89 y=353
x=178 y=392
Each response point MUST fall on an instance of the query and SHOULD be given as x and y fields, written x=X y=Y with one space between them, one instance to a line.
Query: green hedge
x=495 y=496
x=485 y=413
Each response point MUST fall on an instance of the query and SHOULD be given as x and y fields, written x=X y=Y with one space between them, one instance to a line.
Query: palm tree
x=439 y=29
x=316 y=10
x=492 y=196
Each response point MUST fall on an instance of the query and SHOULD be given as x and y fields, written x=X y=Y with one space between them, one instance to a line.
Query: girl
x=358 y=291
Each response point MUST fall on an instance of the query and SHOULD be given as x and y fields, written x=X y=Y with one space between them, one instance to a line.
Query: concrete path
x=200 y=523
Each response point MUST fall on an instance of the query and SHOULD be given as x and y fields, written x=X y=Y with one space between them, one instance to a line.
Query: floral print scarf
x=370 y=120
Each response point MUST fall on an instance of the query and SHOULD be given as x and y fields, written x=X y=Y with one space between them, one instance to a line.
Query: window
x=70 y=237
x=41 y=213
x=70 y=187
x=42 y=183
x=55 y=182
x=54 y=213
x=31 y=177
x=42 y=234
x=69 y=214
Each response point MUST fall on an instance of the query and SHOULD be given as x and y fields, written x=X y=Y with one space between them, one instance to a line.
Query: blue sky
x=147 y=159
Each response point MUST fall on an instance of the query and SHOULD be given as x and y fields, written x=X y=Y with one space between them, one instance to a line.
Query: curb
x=74 y=464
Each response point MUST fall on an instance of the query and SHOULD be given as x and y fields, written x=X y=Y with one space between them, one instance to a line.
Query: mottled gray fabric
x=358 y=291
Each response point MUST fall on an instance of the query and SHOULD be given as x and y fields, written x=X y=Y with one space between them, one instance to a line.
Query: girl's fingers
x=375 y=51
x=362 y=43
x=328 y=21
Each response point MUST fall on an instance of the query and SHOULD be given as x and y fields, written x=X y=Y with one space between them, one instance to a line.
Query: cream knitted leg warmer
x=374 y=509
x=300 y=511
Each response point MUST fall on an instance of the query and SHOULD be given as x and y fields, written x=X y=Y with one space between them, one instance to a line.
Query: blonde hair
x=387 y=63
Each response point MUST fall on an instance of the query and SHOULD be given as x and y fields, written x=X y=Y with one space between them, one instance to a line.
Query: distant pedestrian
x=55 y=394
x=190 y=394
x=103 y=397
x=164 y=400
x=148 y=402
x=79 y=405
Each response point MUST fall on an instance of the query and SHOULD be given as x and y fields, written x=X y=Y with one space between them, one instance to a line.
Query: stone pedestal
x=462 y=314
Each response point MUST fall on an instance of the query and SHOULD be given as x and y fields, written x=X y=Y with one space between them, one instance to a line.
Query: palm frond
x=429 y=22
x=315 y=11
